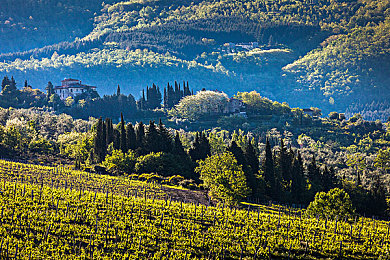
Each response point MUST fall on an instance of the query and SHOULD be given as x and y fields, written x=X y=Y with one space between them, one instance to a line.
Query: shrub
x=119 y=161
x=335 y=202
x=165 y=164
x=224 y=178
x=150 y=177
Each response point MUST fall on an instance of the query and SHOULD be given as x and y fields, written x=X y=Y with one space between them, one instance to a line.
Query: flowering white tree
x=203 y=103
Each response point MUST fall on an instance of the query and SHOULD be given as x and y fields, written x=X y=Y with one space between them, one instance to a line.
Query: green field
x=57 y=213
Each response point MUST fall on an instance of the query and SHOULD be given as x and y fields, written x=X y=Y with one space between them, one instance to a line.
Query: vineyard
x=58 y=213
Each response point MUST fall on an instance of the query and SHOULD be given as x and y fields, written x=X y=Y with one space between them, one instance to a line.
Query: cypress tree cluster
x=285 y=178
x=152 y=99
x=143 y=140
x=8 y=85
x=172 y=95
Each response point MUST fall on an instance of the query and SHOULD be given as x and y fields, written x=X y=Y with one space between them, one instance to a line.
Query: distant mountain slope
x=322 y=53
x=28 y=24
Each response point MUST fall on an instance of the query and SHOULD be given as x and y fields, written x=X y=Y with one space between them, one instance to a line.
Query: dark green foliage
x=238 y=154
x=378 y=203
x=107 y=106
x=141 y=104
x=314 y=175
x=284 y=163
x=117 y=139
x=109 y=131
x=140 y=134
x=153 y=97
x=49 y=90
x=130 y=137
x=165 y=164
x=178 y=147
x=172 y=95
x=269 y=170
x=328 y=179
x=5 y=82
x=165 y=136
x=253 y=168
x=99 y=143
x=123 y=141
x=252 y=158
x=152 y=138
x=200 y=148
x=298 y=181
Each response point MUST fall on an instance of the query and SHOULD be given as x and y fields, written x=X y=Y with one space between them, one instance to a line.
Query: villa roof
x=69 y=80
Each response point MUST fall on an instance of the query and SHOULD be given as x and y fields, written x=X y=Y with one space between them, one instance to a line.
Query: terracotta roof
x=69 y=80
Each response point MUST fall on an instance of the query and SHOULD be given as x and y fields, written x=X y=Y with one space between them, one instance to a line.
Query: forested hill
x=323 y=53
x=28 y=24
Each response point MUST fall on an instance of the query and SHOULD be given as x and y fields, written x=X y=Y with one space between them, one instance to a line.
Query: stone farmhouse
x=71 y=88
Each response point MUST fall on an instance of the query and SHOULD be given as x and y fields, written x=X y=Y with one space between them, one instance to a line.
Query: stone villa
x=71 y=88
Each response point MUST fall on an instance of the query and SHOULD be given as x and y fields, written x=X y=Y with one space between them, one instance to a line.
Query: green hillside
x=329 y=54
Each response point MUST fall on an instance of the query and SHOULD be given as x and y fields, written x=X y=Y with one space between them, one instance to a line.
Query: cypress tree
x=12 y=84
x=153 y=97
x=269 y=170
x=252 y=161
x=251 y=158
x=99 y=144
x=378 y=196
x=165 y=98
x=117 y=139
x=298 y=180
x=104 y=137
x=49 y=90
x=109 y=131
x=195 y=148
x=328 y=179
x=147 y=103
x=165 y=141
x=140 y=134
x=314 y=175
x=238 y=154
x=200 y=148
x=284 y=163
x=178 y=147
x=130 y=137
x=142 y=102
x=123 y=142
x=152 y=138
x=171 y=96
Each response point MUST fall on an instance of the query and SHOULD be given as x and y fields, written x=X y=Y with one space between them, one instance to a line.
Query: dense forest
x=332 y=53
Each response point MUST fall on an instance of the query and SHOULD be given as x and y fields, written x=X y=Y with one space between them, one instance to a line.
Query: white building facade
x=71 y=88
